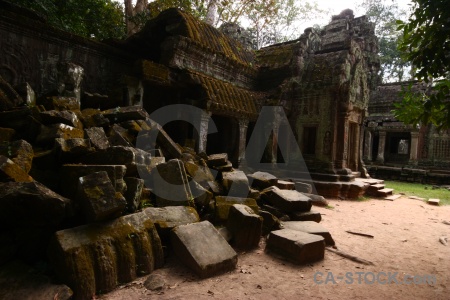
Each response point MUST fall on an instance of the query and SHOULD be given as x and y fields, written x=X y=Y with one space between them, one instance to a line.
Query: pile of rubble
x=77 y=194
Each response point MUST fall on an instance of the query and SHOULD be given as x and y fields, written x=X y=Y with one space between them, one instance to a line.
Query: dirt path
x=406 y=241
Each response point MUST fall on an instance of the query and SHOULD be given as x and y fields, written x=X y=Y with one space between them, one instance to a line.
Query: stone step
x=384 y=192
x=393 y=197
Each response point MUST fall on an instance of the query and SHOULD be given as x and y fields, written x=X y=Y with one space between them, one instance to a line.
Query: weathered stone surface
x=317 y=200
x=262 y=180
x=71 y=149
x=61 y=103
x=20 y=281
x=118 y=136
x=285 y=185
x=170 y=184
x=287 y=201
x=201 y=196
x=276 y=212
x=9 y=98
x=228 y=167
x=49 y=133
x=20 y=152
x=64 y=117
x=203 y=249
x=99 y=201
x=305 y=216
x=235 y=183
x=215 y=160
x=9 y=171
x=434 y=201
x=97 y=257
x=27 y=93
x=223 y=205
x=154 y=282
x=245 y=226
x=70 y=173
x=270 y=222
x=199 y=173
x=93 y=118
x=167 y=218
x=121 y=114
x=312 y=228
x=133 y=192
x=31 y=204
x=6 y=134
x=169 y=148
x=297 y=246
x=303 y=187
x=97 y=136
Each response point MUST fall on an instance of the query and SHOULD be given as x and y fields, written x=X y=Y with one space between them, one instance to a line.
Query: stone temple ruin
x=94 y=181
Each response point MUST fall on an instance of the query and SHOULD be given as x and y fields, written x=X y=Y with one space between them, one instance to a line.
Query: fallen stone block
x=61 y=103
x=203 y=249
x=99 y=201
x=121 y=114
x=297 y=246
x=285 y=185
x=9 y=98
x=223 y=205
x=317 y=200
x=303 y=187
x=20 y=281
x=199 y=173
x=97 y=137
x=245 y=226
x=305 y=216
x=201 y=196
x=7 y=134
x=235 y=183
x=49 y=133
x=312 y=228
x=270 y=222
x=262 y=180
x=27 y=93
x=118 y=136
x=20 y=152
x=71 y=149
x=434 y=201
x=215 y=160
x=276 y=212
x=225 y=168
x=64 y=117
x=287 y=201
x=9 y=171
x=91 y=117
x=133 y=192
x=168 y=146
x=28 y=204
x=95 y=258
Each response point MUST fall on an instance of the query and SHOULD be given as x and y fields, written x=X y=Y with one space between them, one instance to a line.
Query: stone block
x=215 y=160
x=200 y=173
x=71 y=149
x=223 y=205
x=95 y=258
x=133 y=192
x=6 y=134
x=287 y=201
x=119 y=136
x=20 y=152
x=262 y=180
x=245 y=226
x=434 y=201
x=93 y=118
x=27 y=93
x=312 y=228
x=276 y=212
x=297 y=246
x=201 y=196
x=99 y=201
x=165 y=142
x=121 y=114
x=61 y=103
x=317 y=200
x=303 y=187
x=97 y=137
x=203 y=249
x=49 y=133
x=285 y=185
x=9 y=171
x=9 y=98
x=270 y=222
x=305 y=216
x=64 y=117
x=235 y=183
x=20 y=281
x=29 y=204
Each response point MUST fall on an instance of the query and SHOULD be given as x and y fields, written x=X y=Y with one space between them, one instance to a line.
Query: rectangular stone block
x=49 y=133
x=95 y=258
x=245 y=226
x=121 y=114
x=262 y=180
x=10 y=171
x=97 y=136
x=305 y=216
x=235 y=183
x=203 y=249
x=312 y=228
x=133 y=192
x=297 y=246
x=223 y=205
x=286 y=200
x=20 y=152
x=303 y=187
x=434 y=201
x=65 y=117
x=219 y=159
x=285 y=185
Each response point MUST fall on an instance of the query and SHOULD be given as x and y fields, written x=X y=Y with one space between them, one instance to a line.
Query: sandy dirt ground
x=405 y=247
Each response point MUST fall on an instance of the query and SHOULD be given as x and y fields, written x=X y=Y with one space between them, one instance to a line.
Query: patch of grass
x=419 y=190
x=329 y=206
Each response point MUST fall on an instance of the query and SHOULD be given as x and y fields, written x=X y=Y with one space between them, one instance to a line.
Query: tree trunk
x=211 y=15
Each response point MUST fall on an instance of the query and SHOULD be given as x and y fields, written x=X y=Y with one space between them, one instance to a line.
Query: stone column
x=342 y=142
x=368 y=142
x=243 y=126
x=203 y=130
x=381 y=146
x=414 y=145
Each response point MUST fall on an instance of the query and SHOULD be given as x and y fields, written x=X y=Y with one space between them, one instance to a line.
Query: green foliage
x=420 y=190
x=99 y=19
x=426 y=43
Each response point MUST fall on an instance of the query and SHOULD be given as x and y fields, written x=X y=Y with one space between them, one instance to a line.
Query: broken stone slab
x=49 y=133
x=20 y=152
x=20 y=281
x=165 y=142
x=118 y=136
x=270 y=222
x=95 y=258
x=70 y=173
x=25 y=204
x=223 y=205
x=203 y=249
x=99 y=201
x=225 y=168
x=133 y=192
x=71 y=149
x=10 y=171
x=317 y=200
x=60 y=103
x=276 y=212
x=154 y=282
x=27 y=93
x=200 y=173
x=262 y=180
x=121 y=114
x=297 y=246
x=91 y=117
x=303 y=187
x=312 y=228
x=287 y=201
x=201 y=196
x=216 y=160
x=235 y=183
x=64 y=117
x=167 y=218
x=170 y=184
x=285 y=185
x=305 y=216
x=434 y=201
x=6 y=134
x=97 y=137
x=245 y=226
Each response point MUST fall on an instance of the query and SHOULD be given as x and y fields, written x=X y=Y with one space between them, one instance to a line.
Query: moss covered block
x=10 y=171
x=245 y=226
x=223 y=205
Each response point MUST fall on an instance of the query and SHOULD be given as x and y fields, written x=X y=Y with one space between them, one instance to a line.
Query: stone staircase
x=377 y=189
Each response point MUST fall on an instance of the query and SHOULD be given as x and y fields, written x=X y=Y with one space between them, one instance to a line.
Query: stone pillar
x=342 y=142
x=414 y=145
x=274 y=142
x=381 y=146
x=368 y=142
x=203 y=130
x=243 y=126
